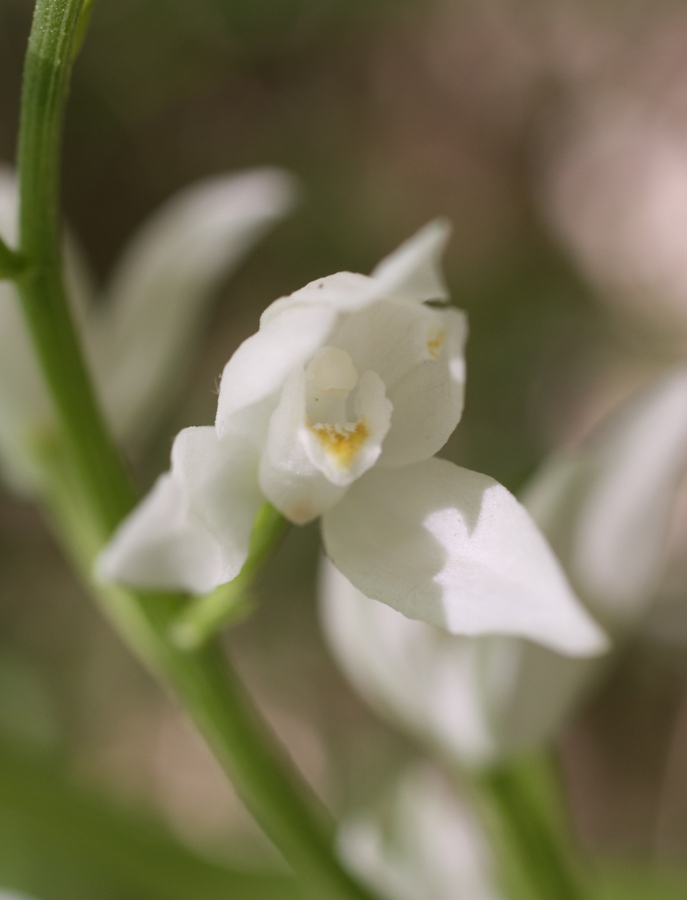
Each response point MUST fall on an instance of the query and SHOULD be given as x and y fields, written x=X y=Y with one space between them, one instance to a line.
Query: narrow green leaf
x=633 y=882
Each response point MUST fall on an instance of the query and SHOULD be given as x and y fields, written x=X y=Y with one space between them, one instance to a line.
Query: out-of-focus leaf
x=59 y=841
x=26 y=713
x=640 y=883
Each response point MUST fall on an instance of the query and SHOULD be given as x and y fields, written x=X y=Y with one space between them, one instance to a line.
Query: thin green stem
x=532 y=838
x=91 y=492
x=203 y=618
x=44 y=300
x=211 y=694
x=208 y=689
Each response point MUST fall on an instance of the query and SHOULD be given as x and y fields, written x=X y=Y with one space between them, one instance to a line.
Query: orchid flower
x=335 y=408
x=138 y=334
x=606 y=510
x=427 y=845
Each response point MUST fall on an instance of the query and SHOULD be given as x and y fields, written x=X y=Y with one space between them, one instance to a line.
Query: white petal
x=539 y=695
x=474 y=701
x=455 y=549
x=161 y=288
x=161 y=547
x=415 y=675
x=342 y=292
x=288 y=477
x=192 y=531
x=413 y=272
x=607 y=512
x=419 y=354
x=8 y=205
x=260 y=366
x=221 y=478
x=425 y=845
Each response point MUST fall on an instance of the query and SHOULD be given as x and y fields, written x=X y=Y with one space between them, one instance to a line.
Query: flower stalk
x=47 y=69
x=530 y=831
x=202 y=619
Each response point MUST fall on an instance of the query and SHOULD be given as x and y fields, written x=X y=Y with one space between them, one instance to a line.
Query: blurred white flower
x=616 y=193
x=137 y=335
x=335 y=408
x=425 y=845
x=607 y=511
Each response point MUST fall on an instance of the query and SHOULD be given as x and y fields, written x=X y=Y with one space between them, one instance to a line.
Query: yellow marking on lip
x=342 y=442
x=435 y=342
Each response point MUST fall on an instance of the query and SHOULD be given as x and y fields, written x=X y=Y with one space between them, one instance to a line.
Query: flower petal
x=424 y=844
x=160 y=290
x=418 y=352
x=342 y=292
x=288 y=477
x=192 y=531
x=160 y=547
x=413 y=674
x=455 y=549
x=537 y=696
x=413 y=271
x=262 y=363
x=608 y=511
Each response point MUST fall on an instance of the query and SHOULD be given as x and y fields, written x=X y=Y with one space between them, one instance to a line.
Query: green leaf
x=640 y=883
x=60 y=841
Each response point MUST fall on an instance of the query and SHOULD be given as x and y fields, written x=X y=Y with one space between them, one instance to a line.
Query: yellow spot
x=435 y=342
x=342 y=442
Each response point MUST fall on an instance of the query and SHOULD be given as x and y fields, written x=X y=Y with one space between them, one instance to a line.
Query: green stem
x=91 y=492
x=44 y=300
x=530 y=836
x=264 y=776
x=203 y=618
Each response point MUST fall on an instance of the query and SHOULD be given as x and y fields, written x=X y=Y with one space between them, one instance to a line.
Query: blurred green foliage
x=63 y=842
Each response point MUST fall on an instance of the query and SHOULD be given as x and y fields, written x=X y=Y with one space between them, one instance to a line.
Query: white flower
x=426 y=846
x=137 y=335
x=606 y=510
x=616 y=193
x=335 y=408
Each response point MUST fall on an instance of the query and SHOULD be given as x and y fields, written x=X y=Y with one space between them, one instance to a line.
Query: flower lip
x=342 y=443
x=346 y=417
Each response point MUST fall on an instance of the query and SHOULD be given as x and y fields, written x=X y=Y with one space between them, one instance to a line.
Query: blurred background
x=554 y=134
